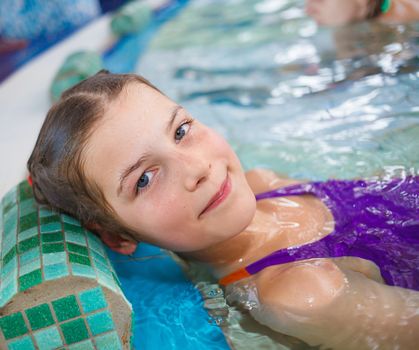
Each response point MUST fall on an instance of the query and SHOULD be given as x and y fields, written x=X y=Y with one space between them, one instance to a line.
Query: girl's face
x=168 y=177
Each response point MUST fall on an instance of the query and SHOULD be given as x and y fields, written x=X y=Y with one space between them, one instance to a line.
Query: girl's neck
x=227 y=255
x=223 y=253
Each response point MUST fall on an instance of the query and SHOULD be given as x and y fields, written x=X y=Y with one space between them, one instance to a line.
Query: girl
x=334 y=263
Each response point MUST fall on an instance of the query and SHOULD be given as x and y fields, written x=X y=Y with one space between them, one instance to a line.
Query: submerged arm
x=321 y=303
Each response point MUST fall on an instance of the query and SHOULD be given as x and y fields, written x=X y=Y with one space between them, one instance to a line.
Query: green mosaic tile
x=44 y=211
x=52 y=237
x=107 y=281
x=25 y=191
x=7 y=292
x=116 y=279
x=9 y=256
x=92 y=300
x=28 y=244
x=70 y=220
x=28 y=221
x=52 y=248
x=11 y=213
x=100 y=258
x=54 y=258
x=8 y=243
x=13 y=325
x=95 y=243
x=30 y=280
x=104 y=268
x=100 y=323
x=73 y=228
x=9 y=277
x=8 y=207
x=86 y=345
x=10 y=196
x=52 y=272
x=106 y=272
x=29 y=256
x=48 y=339
x=75 y=248
x=39 y=317
x=74 y=331
x=29 y=267
x=51 y=227
x=48 y=219
x=24 y=343
x=75 y=237
x=8 y=268
x=66 y=308
x=83 y=270
x=33 y=231
x=10 y=226
x=109 y=341
x=79 y=259
x=28 y=206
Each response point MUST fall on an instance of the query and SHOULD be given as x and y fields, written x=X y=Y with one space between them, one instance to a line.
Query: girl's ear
x=114 y=241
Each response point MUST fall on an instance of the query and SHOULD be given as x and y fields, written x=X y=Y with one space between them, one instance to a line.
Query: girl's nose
x=196 y=172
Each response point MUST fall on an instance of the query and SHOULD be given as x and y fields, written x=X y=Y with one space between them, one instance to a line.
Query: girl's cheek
x=218 y=142
x=166 y=206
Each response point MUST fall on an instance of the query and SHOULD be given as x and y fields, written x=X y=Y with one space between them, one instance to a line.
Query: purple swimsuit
x=374 y=220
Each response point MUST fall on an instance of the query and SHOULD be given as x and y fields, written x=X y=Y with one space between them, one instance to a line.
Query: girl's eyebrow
x=128 y=171
x=138 y=163
x=173 y=116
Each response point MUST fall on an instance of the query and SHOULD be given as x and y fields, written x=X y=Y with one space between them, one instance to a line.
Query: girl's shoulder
x=302 y=286
x=261 y=180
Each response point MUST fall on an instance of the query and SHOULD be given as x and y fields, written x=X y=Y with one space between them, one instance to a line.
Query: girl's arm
x=321 y=303
x=340 y=12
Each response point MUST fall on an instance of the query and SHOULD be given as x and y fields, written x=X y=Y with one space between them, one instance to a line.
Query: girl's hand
x=337 y=12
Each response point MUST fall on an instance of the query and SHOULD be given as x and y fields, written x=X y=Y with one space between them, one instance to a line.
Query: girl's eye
x=182 y=130
x=144 y=180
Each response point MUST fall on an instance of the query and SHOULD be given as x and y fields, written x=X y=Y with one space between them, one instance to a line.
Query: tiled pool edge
x=42 y=248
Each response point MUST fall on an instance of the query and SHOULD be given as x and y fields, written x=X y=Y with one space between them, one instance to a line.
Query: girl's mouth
x=219 y=196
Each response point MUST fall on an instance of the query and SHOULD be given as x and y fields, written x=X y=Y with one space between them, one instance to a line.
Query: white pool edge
x=24 y=98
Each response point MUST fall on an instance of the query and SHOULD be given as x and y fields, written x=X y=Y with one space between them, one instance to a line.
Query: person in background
x=341 y=12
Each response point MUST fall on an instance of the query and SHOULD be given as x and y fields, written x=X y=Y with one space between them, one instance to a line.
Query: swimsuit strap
x=318 y=249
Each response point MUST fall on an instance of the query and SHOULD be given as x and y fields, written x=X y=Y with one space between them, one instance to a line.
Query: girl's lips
x=219 y=197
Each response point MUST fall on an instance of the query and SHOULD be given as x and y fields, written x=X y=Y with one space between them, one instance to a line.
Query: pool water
x=308 y=102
